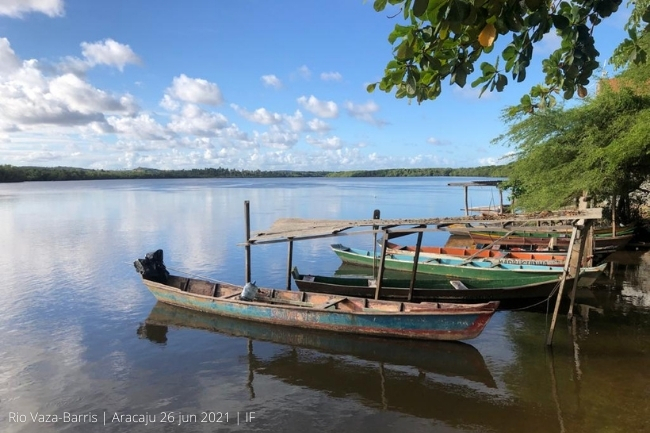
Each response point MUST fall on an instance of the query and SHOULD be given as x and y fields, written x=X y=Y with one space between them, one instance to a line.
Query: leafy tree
x=441 y=39
x=602 y=146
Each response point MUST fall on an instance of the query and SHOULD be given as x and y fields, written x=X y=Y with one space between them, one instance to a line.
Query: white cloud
x=195 y=121
x=261 y=115
x=327 y=109
x=304 y=72
x=331 y=76
x=488 y=161
x=325 y=143
x=108 y=52
x=80 y=96
x=169 y=103
x=271 y=81
x=437 y=142
x=195 y=90
x=295 y=122
x=318 y=125
x=29 y=98
x=277 y=139
x=365 y=112
x=9 y=62
x=18 y=8
x=142 y=127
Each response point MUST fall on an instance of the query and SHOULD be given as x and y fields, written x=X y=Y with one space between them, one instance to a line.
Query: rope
x=557 y=286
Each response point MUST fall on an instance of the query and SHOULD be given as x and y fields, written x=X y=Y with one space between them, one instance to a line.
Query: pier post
x=416 y=259
x=247 y=246
x=380 y=273
x=289 y=262
x=565 y=272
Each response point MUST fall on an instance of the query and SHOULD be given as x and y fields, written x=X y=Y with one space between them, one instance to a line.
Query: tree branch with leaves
x=444 y=39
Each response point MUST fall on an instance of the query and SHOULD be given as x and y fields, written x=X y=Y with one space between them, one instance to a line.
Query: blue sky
x=244 y=84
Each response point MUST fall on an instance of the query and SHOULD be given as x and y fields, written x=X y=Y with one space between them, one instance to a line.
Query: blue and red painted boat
x=425 y=320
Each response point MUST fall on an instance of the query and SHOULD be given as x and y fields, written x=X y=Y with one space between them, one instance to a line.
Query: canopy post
x=375 y=216
x=289 y=263
x=466 y=201
x=583 y=240
x=416 y=259
x=558 y=299
x=380 y=273
x=247 y=215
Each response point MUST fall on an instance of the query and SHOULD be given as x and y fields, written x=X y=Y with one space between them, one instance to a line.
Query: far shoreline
x=12 y=174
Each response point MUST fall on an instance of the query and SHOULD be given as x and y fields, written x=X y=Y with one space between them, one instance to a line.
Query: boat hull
x=461 y=323
x=510 y=297
x=508 y=274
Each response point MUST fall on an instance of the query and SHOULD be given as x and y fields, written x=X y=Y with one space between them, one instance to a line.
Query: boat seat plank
x=331 y=303
x=458 y=285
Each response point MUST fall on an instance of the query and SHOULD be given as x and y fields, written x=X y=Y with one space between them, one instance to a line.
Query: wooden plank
x=330 y=303
x=565 y=271
x=414 y=271
x=458 y=285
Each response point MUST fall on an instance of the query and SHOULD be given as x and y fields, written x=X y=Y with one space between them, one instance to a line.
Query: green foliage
x=443 y=39
x=9 y=173
x=602 y=146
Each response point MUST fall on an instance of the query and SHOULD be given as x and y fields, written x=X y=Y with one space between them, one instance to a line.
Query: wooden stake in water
x=565 y=272
x=247 y=214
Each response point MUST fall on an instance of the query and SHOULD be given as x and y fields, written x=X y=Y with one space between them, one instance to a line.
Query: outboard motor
x=152 y=267
x=249 y=292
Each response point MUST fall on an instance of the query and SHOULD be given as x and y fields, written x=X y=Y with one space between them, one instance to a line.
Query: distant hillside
x=10 y=173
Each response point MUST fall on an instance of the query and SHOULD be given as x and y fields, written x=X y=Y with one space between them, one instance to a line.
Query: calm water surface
x=83 y=340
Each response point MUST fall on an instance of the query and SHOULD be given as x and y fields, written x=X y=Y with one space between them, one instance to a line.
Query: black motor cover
x=152 y=267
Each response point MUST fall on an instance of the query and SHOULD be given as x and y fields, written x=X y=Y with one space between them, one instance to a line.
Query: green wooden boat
x=476 y=269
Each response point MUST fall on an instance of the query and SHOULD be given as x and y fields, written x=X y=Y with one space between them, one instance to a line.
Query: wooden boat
x=461 y=268
x=544 y=239
x=447 y=358
x=444 y=290
x=426 y=321
x=493 y=255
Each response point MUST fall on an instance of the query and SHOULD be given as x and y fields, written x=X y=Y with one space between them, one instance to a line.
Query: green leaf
x=404 y=51
x=380 y=5
x=502 y=81
x=483 y=89
x=371 y=87
x=487 y=68
x=568 y=93
x=533 y=5
x=420 y=7
x=646 y=15
x=560 y=21
x=459 y=76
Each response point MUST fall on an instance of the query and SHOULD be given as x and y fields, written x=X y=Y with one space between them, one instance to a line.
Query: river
x=84 y=347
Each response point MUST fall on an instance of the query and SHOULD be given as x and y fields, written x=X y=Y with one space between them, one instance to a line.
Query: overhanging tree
x=601 y=146
x=444 y=39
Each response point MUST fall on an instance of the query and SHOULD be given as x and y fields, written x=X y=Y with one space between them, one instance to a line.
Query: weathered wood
x=558 y=299
x=247 y=246
x=458 y=285
x=289 y=266
x=576 y=264
x=330 y=303
x=380 y=273
x=414 y=273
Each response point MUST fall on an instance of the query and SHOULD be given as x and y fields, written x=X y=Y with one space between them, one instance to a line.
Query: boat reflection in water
x=444 y=381
x=447 y=358
x=448 y=382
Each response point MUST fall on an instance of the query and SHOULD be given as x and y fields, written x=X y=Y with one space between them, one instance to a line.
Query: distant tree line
x=10 y=173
